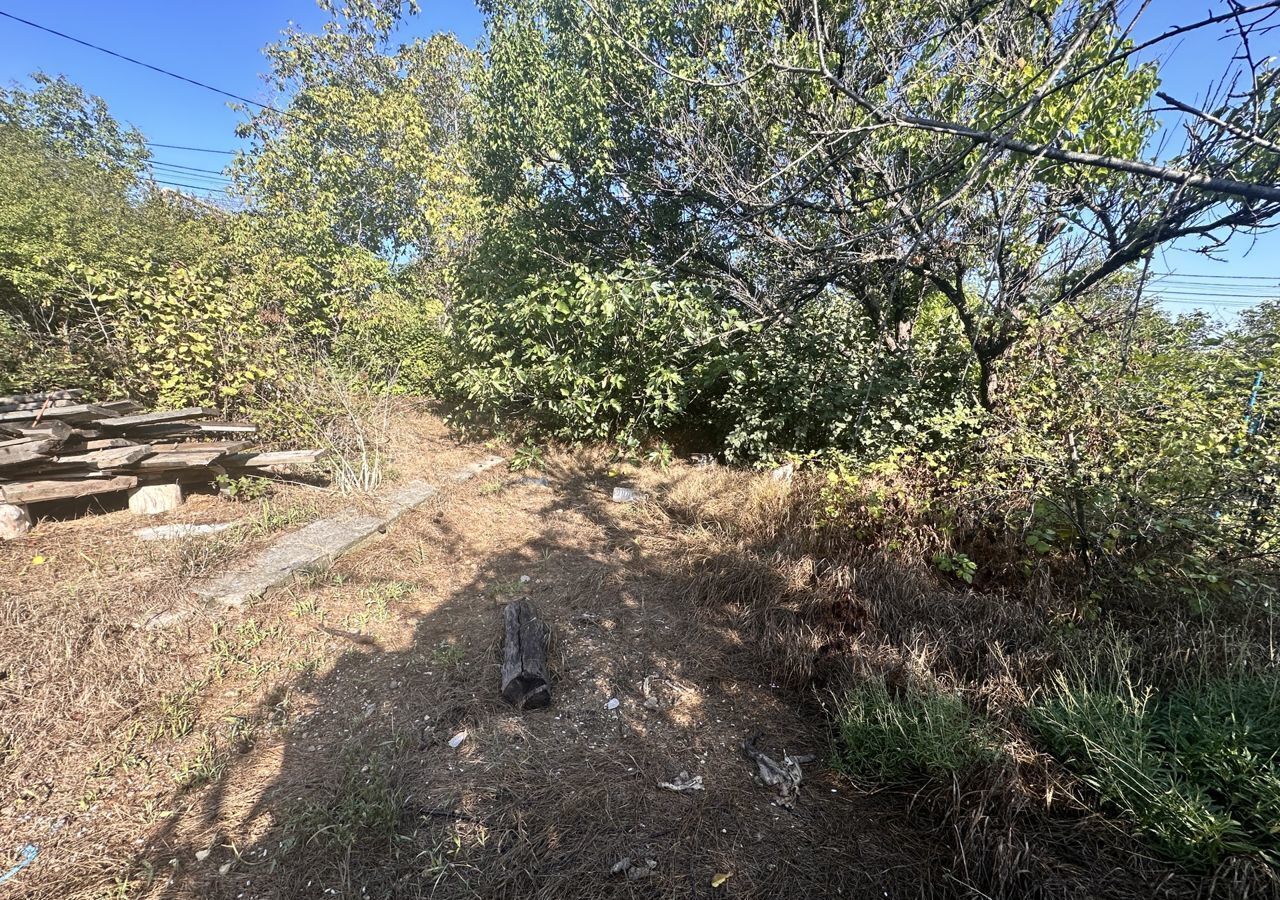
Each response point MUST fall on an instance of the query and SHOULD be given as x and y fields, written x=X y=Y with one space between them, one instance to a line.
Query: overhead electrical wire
x=209 y=189
x=145 y=65
x=192 y=149
x=173 y=165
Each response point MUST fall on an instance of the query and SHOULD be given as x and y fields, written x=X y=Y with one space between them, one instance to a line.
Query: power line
x=145 y=65
x=192 y=149
x=168 y=165
x=209 y=189
x=1271 y=278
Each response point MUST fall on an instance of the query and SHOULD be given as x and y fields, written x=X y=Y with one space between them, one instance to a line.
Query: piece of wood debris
x=526 y=679
x=41 y=490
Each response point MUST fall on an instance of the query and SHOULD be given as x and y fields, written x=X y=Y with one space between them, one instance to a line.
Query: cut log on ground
x=526 y=679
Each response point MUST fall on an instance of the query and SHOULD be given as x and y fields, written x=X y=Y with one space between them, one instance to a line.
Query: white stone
x=177 y=530
x=15 y=521
x=153 y=499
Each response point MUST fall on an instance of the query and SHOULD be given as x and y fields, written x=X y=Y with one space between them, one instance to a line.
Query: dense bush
x=822 y=380
x=589 y=356
x=399 y=336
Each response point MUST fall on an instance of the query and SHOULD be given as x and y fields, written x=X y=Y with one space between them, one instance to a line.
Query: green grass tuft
x=914 y=737
x=1195 y=771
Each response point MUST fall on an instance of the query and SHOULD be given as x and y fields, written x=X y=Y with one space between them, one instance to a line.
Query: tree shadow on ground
x=344 y=781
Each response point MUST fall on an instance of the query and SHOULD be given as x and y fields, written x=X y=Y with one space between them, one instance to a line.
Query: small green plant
x=244 y=488
x=176 y=713
x=447 y=655
x=527 y=456
x=1195 y=771
x=363 y=807
x=956 y=564
x=912 y=736
x=505 y=588
x=205 y=767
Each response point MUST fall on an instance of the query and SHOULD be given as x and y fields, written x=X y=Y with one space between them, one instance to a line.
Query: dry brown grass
x=299 y=747
x=834 y=599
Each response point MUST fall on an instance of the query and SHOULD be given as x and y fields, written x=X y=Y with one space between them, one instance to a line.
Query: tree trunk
x=526 y=680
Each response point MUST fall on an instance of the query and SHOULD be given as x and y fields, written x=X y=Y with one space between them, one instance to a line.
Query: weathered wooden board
x=28 y=451
x=224 y=446
x=117 y=423
x=179 y=459
x=274 y=458
x=80 y=412
x=107 y=443
x=55 y=429
x=62 y=488
x=526 y=678
x=107 y=457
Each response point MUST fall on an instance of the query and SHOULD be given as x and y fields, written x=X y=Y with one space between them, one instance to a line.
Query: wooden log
x=118 y=423
x=15 y=521
x=20 y=492
x=25 y=452
x=276 y=458
x=526 y=679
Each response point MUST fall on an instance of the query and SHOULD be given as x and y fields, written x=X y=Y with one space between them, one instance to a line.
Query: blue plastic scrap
x=25 y=858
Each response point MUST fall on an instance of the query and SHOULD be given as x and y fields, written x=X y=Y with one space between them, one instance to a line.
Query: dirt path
x=299 y=747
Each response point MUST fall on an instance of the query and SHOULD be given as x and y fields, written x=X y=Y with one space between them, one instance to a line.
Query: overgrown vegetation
x=904 y=246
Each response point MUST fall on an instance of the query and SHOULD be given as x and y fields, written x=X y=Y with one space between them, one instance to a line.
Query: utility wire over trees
x=1009 y=156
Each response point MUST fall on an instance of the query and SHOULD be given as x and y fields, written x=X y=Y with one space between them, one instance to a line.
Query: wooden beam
x=274 y=458
x=62 y=489
x=179 y=459
x=56 y=429
x=116 y=423
x=107 y=457
x=28 y=451
x=224 y=446
x=82 y=412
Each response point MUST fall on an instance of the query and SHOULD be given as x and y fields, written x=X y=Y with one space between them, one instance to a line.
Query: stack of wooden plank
x=57 y=446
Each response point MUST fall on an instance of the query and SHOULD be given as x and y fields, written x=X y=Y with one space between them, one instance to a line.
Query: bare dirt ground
x=300 y=746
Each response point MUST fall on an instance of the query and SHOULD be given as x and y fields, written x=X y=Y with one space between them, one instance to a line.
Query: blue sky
x=221 y=44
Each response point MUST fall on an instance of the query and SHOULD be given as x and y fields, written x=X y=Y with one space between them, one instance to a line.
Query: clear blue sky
x=221 y=44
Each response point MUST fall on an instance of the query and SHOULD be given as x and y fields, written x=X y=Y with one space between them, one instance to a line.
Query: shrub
x=400 y=336
x=823 y=380
x=588 y=356
x=913 y=736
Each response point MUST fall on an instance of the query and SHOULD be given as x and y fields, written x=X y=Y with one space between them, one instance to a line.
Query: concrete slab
x=316 y=546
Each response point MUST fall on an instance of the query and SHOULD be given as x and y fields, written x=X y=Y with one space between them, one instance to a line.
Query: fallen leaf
x=37 y=560
x=719 y=878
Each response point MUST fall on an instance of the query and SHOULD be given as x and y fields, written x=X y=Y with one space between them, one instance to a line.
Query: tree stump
x=526 y=680
x=153 y=499
x=15 y=521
